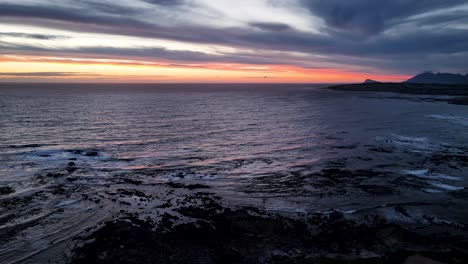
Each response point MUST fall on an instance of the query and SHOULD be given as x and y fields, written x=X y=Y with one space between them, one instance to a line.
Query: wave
x=447 y=187
x=433 y=179
x=462 y=120
x=416 y=144
x=429 y=174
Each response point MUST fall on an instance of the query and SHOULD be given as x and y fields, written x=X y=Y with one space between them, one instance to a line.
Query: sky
x=304 y=41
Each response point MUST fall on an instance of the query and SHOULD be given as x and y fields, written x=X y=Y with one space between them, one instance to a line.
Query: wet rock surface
x=187 y=186
x=186 y=222
x=25 y=146
x=350 y=210
x=4 y=190
x=213 y=233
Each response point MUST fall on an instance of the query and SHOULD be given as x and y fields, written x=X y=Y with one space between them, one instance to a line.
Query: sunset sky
x=314 y=41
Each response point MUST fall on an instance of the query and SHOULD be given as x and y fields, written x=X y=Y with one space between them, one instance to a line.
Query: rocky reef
x=200 y=229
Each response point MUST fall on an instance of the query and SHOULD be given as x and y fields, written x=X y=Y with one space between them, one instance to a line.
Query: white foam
x=428 y=174
x=417 y=144
x=285 y=209
x=336 y=211
x=392 y=215
x=411 y=139
x=67 y=203
x=447 y=187
x=432 y=191
x=439 y=187
x=345 y=211
x=462 y=120
x=54 y=158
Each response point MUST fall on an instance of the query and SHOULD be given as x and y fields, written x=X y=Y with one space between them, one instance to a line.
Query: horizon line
x=165 y=83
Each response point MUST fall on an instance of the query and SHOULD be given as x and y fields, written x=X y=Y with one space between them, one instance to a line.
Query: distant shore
x=460 y=91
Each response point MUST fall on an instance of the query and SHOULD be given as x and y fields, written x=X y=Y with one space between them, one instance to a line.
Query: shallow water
x=264 y=145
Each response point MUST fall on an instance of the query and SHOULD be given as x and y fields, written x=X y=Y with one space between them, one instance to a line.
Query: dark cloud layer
x=166 y=2
x=31 y=36
x=270 y=26
x=370 y=17
x=391 y=35
x=87 y=14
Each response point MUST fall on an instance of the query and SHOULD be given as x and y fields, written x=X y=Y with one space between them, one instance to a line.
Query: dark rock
x=135 y=182
x=401 y=210
x=72 y=169
x=25 y=146
x=223 y=235
x=4 y=190
x=92 y=154
x=345 y=147
x=187 y=186
x=132 y=193
x=55 y=175
x=71 y=164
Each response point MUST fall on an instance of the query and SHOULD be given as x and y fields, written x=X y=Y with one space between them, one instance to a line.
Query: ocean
x=73 y=156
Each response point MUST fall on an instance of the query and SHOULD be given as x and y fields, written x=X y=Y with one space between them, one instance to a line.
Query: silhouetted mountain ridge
x=439 y=78
x=371 y=81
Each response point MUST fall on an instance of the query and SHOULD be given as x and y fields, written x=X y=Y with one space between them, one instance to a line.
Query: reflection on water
x=278 y=147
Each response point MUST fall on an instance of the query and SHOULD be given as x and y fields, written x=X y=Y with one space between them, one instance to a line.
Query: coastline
x=199 y=226
x=358 y=195
x=134 y=221
x=460 y=92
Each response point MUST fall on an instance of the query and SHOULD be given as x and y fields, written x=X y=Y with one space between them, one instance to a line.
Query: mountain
x=439 y=78
x=370 y=81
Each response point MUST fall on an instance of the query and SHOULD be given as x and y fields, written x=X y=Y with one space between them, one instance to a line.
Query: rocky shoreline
x=460 y=92
x=129 y=219
x=200 y=229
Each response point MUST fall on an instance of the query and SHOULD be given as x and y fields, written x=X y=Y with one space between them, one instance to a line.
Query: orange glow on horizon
x=71 y=69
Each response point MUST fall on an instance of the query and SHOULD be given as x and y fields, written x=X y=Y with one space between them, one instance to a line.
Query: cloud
x=106 y=7
x=87 y=13
x=393 y=53
x=31 y=36
x=370 y=17
x=156 y=56
x=47 y=75
x=270 y=26
x=166 y=2
x=395 y=36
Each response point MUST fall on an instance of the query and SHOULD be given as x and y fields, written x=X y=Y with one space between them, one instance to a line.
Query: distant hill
x=439 y=78
x=371 y=81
